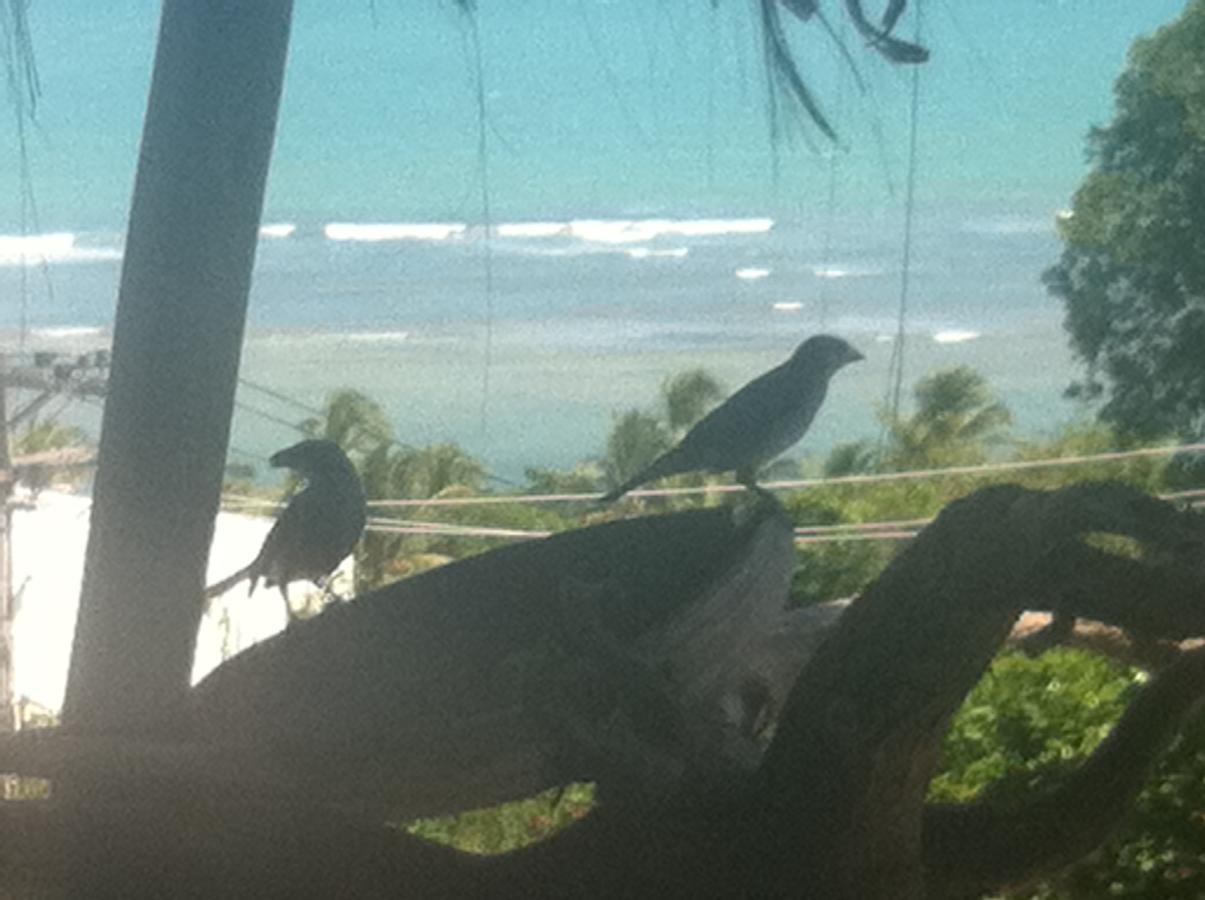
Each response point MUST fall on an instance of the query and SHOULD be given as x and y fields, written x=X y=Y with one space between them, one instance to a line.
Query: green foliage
x=852 y=458
x=353 y=420
x=687 y=396
x=835 y=570
x=41 y=436
x=584 y=478
x=636 y=439
x=47 y=434
x=1132 y=273
x=956 y=418
x=1029 y=722
x=508 y=827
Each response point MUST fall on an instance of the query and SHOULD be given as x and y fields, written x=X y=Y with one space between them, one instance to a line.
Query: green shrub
x=1030 y=721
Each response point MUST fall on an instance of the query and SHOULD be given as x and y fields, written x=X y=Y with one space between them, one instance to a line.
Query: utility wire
x=282 y=397
x=799 y=484
x=268 y=416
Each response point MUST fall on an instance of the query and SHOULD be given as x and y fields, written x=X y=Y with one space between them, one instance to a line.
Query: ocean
x=646 y=222
x=522 y=348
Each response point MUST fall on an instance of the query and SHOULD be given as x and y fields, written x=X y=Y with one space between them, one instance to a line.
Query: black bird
x=758 y=422
x=317 y=529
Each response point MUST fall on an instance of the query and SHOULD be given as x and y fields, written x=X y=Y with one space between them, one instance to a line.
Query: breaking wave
x=277 y=230
x=955 y=336
x=751 y=274
x=373 y=232
x=54 y=249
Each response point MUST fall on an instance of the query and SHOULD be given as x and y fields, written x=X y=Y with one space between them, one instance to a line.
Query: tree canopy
x=1132 y=273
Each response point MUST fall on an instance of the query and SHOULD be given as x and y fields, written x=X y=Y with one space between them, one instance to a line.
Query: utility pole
x=50 y=376
x=8 y=706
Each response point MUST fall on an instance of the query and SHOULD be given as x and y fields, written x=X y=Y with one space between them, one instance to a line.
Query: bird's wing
x=754 y=424
x=314 y=533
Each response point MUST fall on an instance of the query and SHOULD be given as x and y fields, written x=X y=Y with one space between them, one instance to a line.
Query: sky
x=595 y=107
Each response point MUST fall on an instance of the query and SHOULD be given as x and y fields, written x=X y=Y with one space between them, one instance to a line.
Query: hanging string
x=834 y=166
x=487 y=217
x=896 y=367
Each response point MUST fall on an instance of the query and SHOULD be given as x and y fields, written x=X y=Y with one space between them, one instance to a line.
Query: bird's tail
x=669 y=464
x=220 y=587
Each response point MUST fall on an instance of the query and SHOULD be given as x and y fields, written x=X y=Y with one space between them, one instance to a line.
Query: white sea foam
x=57 y=247
x=67 y=332
x=400 y=231
x=648 y=252
x=376 y=337
x=532 y=229
x=843 y=272
x=1009 y=225
x=751 y=274
x=636 y=231
x=277 y=230
x=954 y=336
x=789 y=306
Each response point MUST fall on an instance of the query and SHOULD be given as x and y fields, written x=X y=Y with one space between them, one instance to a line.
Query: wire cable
x=282 y=397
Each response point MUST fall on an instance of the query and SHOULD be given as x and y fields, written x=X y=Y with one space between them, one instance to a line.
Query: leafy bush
x=1029 y=721
x=510 y=826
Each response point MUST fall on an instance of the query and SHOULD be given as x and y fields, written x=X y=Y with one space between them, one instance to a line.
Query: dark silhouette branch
x=648 y=654
x=859 y=738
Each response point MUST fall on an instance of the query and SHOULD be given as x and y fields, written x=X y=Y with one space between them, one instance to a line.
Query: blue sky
x=597 y=107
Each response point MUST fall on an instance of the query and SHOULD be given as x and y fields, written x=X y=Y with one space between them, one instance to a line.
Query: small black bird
x=317 y=529
x=758 y=422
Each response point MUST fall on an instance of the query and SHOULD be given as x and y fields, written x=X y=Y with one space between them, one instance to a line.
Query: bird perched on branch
x=758 y=422
x=317 y=529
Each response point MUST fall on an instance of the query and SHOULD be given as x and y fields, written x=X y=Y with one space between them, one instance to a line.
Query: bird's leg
x=323 y=583
x=748 y=478
x=284 y=593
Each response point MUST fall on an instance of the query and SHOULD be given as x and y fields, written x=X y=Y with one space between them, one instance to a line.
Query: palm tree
x=353 y=420
x=956 y=418
x=636 y=439
x=687 y=397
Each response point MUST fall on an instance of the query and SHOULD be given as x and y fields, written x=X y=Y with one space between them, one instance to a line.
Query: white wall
x=48 y=566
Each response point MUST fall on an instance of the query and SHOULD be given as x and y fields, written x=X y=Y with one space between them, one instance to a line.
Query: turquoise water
x=644 y=223
x=589 y=317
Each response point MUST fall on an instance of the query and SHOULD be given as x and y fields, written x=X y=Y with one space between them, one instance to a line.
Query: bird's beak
x=281 y=459
x=854 y=356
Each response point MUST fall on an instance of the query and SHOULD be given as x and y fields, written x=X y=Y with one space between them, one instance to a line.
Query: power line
x=844 y=532
x=268 y=416
x=798 y=484
x=282 y=397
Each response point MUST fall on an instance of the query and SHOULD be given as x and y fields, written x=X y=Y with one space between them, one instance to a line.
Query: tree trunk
x=189 y=252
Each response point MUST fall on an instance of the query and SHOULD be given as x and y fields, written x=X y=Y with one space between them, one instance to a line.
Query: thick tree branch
x=859 y=738
x=432 y=694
